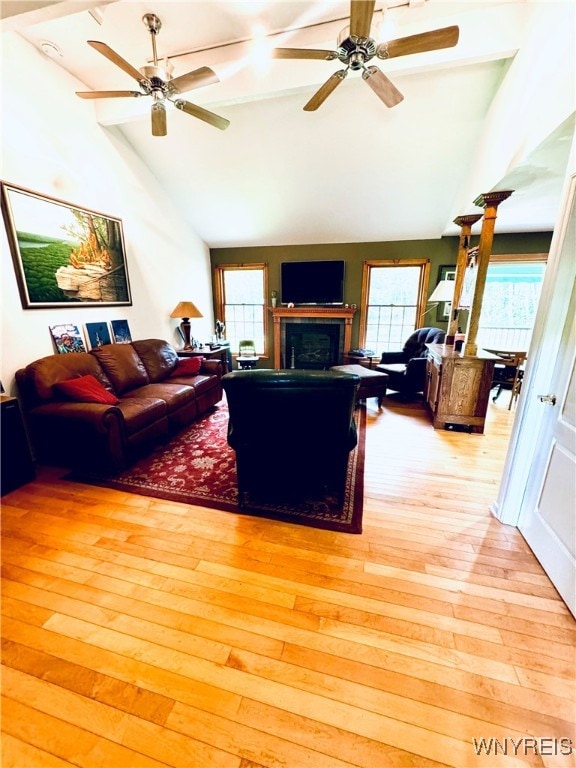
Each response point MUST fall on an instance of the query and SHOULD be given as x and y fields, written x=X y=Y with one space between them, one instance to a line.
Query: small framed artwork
x=64 y=255
x=67 y=338
x=446 y=272
x=98 y=334
x=121 y=332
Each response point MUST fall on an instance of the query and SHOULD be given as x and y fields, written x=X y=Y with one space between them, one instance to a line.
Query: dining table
x=515 y=361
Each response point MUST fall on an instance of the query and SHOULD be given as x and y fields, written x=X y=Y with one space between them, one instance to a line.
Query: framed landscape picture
x=64 y=255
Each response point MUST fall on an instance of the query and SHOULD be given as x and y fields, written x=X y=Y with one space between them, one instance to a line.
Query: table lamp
x=444 y=291
x=185 y=310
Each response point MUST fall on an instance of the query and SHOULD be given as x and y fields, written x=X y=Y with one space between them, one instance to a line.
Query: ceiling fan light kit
x=355 y=48
x=159 y=127
x=156 y=80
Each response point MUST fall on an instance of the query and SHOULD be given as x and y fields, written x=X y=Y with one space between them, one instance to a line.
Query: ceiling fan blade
x=107 y=94
x=382 y=86
x=159 y=119
x=196 y=79
x=325 y=90
x=361 y=13
x=115 y=58
x=447 y=37
x=303 y=53
x=202 y=114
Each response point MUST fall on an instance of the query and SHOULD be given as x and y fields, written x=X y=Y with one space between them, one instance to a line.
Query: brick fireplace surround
x=283 y=315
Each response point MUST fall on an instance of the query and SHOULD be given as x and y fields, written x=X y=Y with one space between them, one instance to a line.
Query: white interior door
x=538 y=488
x=548 y=520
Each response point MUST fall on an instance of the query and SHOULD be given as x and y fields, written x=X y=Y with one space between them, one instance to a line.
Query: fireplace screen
x=312 y=345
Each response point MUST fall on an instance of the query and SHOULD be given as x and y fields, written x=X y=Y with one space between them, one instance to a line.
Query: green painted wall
x=439 y=252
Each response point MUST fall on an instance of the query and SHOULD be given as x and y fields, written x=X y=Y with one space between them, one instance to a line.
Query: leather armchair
x=406 y=368
x=292 y=431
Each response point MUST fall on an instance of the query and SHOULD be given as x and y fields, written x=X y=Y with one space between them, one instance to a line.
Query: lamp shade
x=186 y=309
x=444 y=291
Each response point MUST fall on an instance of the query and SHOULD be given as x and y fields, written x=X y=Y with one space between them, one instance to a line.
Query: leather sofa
x=406 y=368
x=292 y=431
x=145 y=396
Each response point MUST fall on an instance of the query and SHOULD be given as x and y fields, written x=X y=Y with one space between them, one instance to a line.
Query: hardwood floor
x=140 y=633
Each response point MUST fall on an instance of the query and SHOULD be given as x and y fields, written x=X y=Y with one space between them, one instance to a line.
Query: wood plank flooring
x=139 y=633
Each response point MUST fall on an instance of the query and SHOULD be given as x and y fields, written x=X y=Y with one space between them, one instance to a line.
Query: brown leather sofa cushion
x=174 y=395
x=141 y=412
x=158 y=356
x=200 y=384
x=122 y=365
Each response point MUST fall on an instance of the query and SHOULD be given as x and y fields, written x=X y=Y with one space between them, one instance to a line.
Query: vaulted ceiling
x=354 y=170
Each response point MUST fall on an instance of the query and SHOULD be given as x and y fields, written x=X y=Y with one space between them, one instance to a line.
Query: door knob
x=550 y=399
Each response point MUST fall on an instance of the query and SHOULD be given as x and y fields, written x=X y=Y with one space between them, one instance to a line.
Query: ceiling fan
x=157 y=81
x=356 y=48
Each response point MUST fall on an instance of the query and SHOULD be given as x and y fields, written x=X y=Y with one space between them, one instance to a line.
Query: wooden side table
x=221 y=353
x=17 y=465
x=366 y=361
x=511 y=377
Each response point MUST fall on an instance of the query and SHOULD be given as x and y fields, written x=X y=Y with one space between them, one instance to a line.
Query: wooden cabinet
x=17 y=466
x=457 y=387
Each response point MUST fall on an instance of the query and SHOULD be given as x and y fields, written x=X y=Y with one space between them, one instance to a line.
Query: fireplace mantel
x=285 y=313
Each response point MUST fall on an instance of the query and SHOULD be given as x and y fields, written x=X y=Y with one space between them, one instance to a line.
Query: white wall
x=51 y=144
x=536 y=95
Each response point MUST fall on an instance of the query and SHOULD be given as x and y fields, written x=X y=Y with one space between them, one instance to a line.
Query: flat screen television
x=312 y=282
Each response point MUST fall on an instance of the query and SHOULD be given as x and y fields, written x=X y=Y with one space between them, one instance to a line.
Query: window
x=393 y=300
x=241 y=291
x=510 y=300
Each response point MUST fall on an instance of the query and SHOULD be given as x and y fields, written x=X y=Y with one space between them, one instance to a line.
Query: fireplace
x=312 y=345
x=339 y=318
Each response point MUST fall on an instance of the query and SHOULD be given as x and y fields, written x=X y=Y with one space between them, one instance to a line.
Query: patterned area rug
x=198 y=467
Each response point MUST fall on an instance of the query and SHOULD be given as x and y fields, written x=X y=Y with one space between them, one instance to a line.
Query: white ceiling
x=354 y=170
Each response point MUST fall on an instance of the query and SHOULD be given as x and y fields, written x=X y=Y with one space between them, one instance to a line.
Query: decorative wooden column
x=490 y=202
x=466 y=223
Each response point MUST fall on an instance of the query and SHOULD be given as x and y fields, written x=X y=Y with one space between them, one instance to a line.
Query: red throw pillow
x=188 y=366
x=86 y=389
